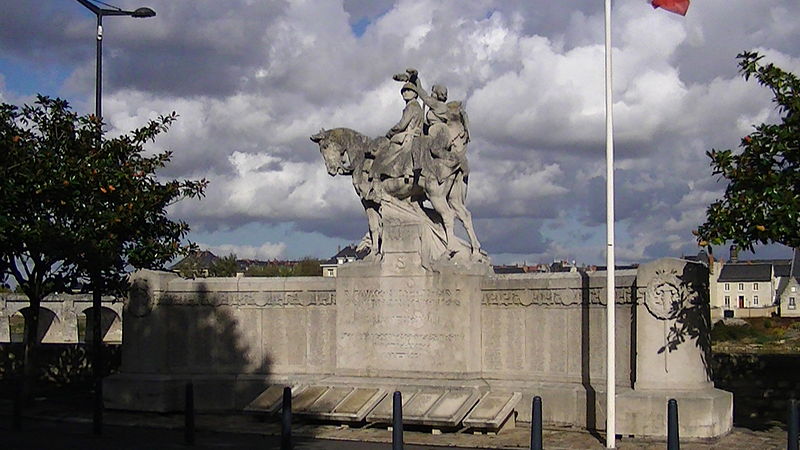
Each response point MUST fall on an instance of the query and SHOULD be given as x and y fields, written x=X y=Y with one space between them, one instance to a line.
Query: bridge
x=64 y=318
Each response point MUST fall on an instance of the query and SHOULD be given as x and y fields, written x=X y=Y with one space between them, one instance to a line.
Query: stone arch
x=110 y=325
x=49 y=329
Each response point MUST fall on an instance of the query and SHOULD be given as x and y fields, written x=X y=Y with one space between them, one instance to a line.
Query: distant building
x=197 y=263
x=789 y=289
x=348 y=254
x=747 y=288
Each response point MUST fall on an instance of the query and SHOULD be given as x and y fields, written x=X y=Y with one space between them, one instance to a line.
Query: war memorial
x=424 y=314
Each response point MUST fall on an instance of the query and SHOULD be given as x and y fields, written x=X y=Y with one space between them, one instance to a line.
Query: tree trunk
x=31 y=342
x=97 y=354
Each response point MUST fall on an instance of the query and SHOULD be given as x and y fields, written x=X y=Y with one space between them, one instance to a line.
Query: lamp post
x=100 y=12
x=97 y=360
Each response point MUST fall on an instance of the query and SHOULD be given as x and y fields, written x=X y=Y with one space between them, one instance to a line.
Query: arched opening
x=49 y=324
x=110 y=325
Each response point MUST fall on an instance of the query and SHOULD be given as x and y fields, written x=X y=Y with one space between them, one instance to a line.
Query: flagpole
x=610 y=280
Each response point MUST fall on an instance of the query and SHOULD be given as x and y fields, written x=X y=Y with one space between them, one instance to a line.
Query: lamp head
x=143 y=12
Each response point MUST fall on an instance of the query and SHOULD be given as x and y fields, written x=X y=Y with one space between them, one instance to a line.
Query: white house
x=789 y=289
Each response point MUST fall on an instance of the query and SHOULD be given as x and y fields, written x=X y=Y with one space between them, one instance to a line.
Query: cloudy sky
x=253 y=79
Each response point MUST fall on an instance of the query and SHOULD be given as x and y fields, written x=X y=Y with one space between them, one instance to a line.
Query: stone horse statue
x=348 y=152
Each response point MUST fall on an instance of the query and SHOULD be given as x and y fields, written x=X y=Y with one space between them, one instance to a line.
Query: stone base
x=164 y=393
x=706 y=413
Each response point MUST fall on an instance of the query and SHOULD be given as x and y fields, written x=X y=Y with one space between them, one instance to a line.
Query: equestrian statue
x=421 y=158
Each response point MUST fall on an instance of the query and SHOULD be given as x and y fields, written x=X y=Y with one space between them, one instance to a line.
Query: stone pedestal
x=673 y=352
x=396 y=319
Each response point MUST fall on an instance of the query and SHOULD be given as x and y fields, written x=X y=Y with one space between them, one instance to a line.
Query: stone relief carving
x=140 y=302
x=553 y=297
x=421 y=159
x=252 y=298
x=667 y=295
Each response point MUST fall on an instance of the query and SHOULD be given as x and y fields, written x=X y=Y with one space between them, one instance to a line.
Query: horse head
x=333 y=146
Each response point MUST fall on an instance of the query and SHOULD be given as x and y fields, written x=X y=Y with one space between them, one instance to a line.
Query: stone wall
x=59 y=316
x=552 y=327
x=392 y=324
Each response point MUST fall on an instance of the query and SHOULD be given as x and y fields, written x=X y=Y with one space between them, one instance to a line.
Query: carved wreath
x=667 y=295
x=140 y=301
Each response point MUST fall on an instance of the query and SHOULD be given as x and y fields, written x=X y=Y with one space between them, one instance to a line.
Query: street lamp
x=100 y=12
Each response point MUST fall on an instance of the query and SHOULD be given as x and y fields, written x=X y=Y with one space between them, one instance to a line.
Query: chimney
x=734 y=253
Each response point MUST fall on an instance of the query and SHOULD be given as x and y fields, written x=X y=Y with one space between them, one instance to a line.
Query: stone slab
x=328 y=401
x=303 y=400
x=428 y=406
x=382 y=413
x=337 y=403
x=493 y=410
x=418 y=406
x=271 y=400
x=355 y=407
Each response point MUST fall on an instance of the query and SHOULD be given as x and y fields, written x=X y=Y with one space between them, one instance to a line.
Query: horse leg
x=456 y=198
x=375 y=228
x=440 y=205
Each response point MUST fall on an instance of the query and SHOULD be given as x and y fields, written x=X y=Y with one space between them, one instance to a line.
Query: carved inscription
x=404 y=345
x=260 y=299
x=552 y=297
x=411 y=296
x=388 y=327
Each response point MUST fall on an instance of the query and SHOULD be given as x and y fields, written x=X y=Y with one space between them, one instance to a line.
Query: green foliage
x=224 y=267
x=307 y=267
x=70 y=210
x=762 y=200
x=268 y=270
x=722 y=332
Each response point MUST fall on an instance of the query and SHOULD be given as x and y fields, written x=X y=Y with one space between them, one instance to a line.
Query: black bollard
x=397 y=421
x=536 y=423
x=97 y=417
x=188 y=411
x=792 y=425
x=673 y=440
x=16 y=419
x=286 y=419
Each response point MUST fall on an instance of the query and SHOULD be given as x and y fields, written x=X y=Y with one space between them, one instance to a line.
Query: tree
x=761 y=203
x=224 y=267
x=71 y=209
x=307 y=267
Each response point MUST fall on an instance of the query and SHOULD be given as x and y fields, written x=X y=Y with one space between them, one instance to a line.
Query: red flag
x=676 y=6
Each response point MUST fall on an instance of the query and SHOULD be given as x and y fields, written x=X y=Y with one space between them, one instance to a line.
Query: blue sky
x=252 y=81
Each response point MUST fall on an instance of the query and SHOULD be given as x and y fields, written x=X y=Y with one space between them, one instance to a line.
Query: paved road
x=63 y=436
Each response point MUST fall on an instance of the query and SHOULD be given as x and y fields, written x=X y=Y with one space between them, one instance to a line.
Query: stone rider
x=396 y=161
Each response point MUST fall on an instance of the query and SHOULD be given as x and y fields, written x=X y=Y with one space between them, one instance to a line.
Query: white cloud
x=252 y=80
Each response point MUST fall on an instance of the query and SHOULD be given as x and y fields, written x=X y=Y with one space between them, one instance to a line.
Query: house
x=789 y=289
x=747 y=288
x=197 y=263
x=345 y=255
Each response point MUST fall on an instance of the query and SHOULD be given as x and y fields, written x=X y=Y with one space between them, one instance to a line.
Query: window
x=741 y=286
x=727 y=301
x=755 y=286
x=727 y=286
x=794 y=288
x=791 y=303
x=755 y=299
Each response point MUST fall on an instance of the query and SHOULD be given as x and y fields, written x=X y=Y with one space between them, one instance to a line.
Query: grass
x=762 y=335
